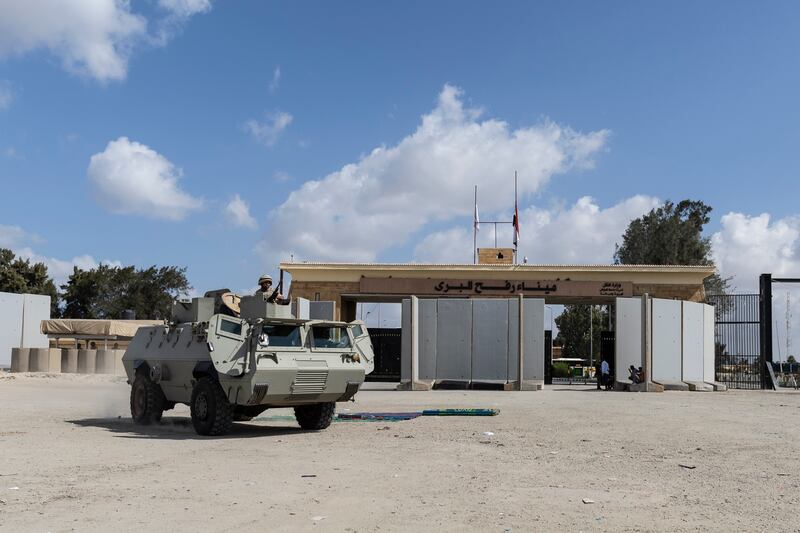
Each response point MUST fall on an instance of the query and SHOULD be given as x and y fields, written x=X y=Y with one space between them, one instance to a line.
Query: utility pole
x=788 y=326
x=591 y=336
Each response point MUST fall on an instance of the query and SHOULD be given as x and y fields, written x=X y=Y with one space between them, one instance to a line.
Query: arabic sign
x=480 y=287
x=462 y=287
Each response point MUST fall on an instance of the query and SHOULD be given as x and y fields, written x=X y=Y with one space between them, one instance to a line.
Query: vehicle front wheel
x=147 y=400
x=212 y=414
x=316 y=416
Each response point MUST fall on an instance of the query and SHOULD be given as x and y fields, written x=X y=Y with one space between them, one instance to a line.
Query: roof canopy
x=353 y=272
x=101 y=329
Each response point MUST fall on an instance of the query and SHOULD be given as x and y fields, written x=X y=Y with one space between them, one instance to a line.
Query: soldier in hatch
x=265 y=289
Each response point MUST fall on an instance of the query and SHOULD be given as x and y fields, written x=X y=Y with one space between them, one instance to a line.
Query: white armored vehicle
x=231 y=358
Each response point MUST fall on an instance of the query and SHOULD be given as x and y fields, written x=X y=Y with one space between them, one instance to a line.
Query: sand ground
x=72 y=460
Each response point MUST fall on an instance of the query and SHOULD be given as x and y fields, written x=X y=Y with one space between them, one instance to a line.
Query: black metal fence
x=386 y=344
x=739 y=362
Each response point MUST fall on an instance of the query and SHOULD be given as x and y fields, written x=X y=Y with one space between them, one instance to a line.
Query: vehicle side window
x=229 y=326
x=330 y=337
x=357 y=331
x=281 y=335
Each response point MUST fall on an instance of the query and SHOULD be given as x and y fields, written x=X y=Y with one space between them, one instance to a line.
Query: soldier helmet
x=265 y=277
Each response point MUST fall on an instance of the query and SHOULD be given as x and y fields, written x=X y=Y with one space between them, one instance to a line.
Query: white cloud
x=178 y=13
x=94 y=38
x=276 y=79
x=19 y=240
x=238 y=212
x=581 y=233
x=393 y=192
x=270 y=130
x=6 y=95
x=11 y=152
x=11 y=236
x=185 y=8
x=281 y=176
x=61 y=269
x=131 y=178
x=747 y=246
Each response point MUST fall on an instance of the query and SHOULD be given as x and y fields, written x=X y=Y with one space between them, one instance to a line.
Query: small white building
x=20 y=319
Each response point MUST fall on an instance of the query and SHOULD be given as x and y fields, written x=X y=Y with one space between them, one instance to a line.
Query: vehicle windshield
x=282 y=335
x=330 y=337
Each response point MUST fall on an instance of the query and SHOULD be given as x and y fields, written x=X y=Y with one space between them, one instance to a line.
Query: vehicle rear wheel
x=212 y=414
x=147 y=400
x=316 y=416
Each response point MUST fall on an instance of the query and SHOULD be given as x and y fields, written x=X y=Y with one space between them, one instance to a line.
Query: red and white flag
x=516 y=223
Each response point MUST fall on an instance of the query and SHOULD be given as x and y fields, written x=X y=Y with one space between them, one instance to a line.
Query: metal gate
x=386 y=345
x=739 y=362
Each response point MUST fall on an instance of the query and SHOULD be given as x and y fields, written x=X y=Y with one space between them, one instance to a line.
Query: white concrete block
x=667 y=342
x=35 y=309
x=11 y=307
x=628 y=346
x=693 y=344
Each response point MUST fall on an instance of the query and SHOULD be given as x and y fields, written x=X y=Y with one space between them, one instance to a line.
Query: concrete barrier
x=87 y=361
x=39 y=360
x=105 y=361
x=667 y=347
x=20 y=359
x=69 y=360
x=119 y=368
x=54 y=360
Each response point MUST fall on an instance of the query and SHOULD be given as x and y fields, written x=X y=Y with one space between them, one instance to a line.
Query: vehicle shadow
x=180 y=428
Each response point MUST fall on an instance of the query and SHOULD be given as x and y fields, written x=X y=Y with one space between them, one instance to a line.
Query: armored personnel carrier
x=231 y=358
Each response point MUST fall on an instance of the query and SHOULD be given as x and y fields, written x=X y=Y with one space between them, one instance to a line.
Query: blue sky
x=605 y=108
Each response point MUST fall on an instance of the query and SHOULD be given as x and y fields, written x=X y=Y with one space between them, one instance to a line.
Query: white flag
x=477 y=221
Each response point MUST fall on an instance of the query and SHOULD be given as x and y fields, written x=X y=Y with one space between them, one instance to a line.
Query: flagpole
x=475 y=229
x=516 y=244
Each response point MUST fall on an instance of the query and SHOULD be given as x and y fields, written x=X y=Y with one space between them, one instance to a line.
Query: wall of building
x=328 y=291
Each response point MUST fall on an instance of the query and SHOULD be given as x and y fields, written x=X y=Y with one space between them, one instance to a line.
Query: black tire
x=147 y=400
x=316 y=416
x=212 y=414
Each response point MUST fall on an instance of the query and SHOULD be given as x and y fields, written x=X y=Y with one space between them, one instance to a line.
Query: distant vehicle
x=230 y=358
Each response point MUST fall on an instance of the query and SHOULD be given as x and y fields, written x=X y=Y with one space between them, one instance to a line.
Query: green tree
x=573 y=330
x=671 y=234
x=106 y=292
x=20 y=276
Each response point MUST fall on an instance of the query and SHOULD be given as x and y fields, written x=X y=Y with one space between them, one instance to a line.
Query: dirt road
x=72 y=460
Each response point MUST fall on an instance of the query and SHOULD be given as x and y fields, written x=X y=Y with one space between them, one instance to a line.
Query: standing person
x=265 y=289
x=605 y=374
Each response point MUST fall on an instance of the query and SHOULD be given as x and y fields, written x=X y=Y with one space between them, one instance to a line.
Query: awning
x=65 y=327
